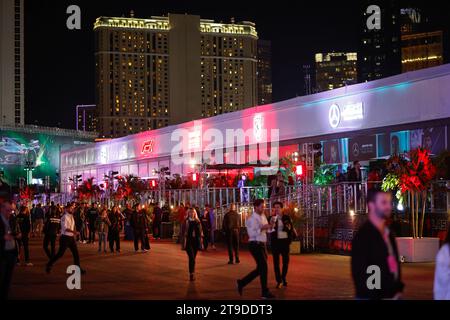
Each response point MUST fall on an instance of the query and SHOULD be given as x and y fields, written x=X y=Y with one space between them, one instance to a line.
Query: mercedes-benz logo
x=334 y=116
x=355 y=149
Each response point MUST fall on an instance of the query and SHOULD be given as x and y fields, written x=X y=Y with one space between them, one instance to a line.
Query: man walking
x=374 y=249
x=67 y=239
x=9 y=233
x=230 y=227
x=257 y=227
x=281 y=237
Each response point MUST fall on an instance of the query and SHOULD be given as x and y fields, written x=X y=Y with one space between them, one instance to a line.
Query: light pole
x=29 y=167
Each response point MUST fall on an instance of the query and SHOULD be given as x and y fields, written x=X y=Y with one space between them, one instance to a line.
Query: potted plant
x=413 y=176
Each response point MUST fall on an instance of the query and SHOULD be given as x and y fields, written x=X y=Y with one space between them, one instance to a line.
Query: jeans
x=280 y=247
x=91 y=233
x=7 y=262
x=258 y=251
x=50 y=239
x=82 y=229
x=101 y=241
x=66 y=242
x=38 y=226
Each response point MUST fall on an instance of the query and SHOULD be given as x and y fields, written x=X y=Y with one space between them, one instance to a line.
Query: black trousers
x=191 y=250
x=139 y=235
x=7 y=262
x=280 y=247
x=24 y=243
x=50 y=239
x=258 y=251
x=233 y=244
x=157 y=230
x=114 y=238
x=66 y=242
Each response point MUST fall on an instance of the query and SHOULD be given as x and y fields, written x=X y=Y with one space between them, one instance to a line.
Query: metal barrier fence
x=312 y=201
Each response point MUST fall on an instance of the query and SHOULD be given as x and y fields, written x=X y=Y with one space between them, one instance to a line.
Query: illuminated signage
x=258 y=127
x=147 y=147
x=353 y=112
x=349 y=112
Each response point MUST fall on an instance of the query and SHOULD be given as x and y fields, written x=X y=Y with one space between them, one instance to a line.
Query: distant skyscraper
x=335 y=70
x=379 y=53
x=307 y=80
x=421 y=46
x=166 y=70
x=264 y=72
x=86 y=118
x=12 y=99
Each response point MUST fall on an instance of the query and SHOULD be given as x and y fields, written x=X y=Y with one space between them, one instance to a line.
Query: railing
x=312 y=201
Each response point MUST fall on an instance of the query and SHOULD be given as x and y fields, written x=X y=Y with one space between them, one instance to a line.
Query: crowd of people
x=80 y=223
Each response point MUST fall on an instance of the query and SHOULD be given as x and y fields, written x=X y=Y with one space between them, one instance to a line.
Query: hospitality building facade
x=363 y=122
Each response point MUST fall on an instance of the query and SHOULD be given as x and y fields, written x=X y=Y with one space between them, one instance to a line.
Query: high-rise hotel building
x=166 y=70
x=12 y=100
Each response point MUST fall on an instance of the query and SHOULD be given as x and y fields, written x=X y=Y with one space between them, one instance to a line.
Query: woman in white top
x=442 y=273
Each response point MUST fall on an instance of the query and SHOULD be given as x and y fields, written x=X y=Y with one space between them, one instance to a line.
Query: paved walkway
x=162 y=274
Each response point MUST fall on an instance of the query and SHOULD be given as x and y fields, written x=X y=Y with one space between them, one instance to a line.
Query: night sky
x=59 y=63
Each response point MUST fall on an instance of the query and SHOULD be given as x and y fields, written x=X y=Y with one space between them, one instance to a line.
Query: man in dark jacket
x=230 y=226
x=375 y=262
x=115 y=218
x=9 y=233
x=92 y=216
x=52 y=226
x=139 y=225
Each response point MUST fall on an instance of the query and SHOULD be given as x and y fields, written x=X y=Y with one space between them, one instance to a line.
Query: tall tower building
x=264 y=72
x=422 y=47
x=335 y=70
x=166 y=70
x=379 y=53
x=12 y=99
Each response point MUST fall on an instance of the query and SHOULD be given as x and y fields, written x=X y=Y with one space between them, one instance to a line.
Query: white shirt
x=442 y=274
x=281 y=234
x=254 y=225
x=67 y=222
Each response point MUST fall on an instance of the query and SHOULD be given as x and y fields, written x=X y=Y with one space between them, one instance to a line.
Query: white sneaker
x=28 y=264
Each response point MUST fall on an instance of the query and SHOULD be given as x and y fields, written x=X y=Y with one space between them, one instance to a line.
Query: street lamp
x=29 y=167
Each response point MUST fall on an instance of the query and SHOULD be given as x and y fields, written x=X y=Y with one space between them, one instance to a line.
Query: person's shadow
x=191 y=291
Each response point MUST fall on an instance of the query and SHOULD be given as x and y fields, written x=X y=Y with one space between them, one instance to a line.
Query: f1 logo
x=147 y=147
x=374 y=20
